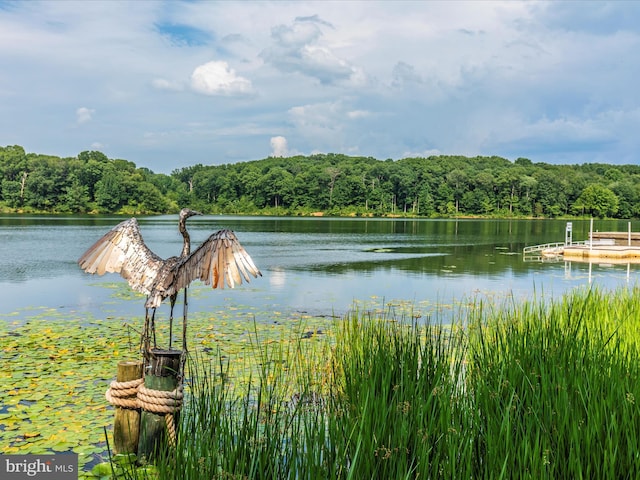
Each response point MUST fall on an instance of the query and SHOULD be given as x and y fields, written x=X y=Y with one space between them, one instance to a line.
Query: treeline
x=334 y=184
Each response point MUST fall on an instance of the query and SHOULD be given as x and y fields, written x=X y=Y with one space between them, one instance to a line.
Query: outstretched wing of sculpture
x=122 y=250
x=220 y=260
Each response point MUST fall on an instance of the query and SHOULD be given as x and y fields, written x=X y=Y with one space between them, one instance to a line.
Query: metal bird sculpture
x=219 y=260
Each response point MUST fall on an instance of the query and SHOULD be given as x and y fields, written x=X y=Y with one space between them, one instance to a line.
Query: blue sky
x=171 y=84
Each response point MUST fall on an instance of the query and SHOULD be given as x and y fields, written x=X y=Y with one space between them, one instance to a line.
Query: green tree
x=276 y=188
x=110 y=192
x=307 y=191
x=89 y=174
x=92 y=156
x=507 y=189
x=150 y=199
x=528 y=186
x=457 y=179
x=596 y=200
x=12 y=193
x=43 y=181
x=333 y=173
x=76 y=198
x=628 y=198
x=13 y=162
x=550 y=194
x=349 y=191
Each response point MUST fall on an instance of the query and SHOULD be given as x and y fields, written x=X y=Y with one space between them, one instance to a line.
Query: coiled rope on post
x=134 y=394
x=162 y=402
x=124 y=394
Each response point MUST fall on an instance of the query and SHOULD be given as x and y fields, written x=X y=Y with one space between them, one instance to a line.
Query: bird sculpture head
x=182 y=227
x=187 y=212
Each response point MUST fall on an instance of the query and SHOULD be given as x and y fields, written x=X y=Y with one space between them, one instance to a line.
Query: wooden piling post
x=126 y=425
x=163 y=374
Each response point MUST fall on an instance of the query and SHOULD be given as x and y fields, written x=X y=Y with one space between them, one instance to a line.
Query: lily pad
x=60 y=365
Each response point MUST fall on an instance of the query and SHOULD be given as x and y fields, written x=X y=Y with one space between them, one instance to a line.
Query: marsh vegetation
x=533 y=390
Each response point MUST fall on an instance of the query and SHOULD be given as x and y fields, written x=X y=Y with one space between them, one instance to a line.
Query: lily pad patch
x=59 y=364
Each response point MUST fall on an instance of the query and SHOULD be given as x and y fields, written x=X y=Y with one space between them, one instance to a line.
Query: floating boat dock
x=610 y=247
x=601 y=252
x=618 y=238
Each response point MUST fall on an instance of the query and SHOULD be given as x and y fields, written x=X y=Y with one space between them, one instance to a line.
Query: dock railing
x=534 y=252
x=545 y=246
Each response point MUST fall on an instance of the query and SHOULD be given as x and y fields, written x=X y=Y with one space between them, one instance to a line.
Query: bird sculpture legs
x=148 y=330
x=184 y=334
x=172 y=300
x=150 y=323
x=184 y=322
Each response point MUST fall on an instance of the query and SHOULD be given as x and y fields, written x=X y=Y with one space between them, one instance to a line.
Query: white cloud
x=404 y=73
x=163 y=84
x=422 y=154
x=355 y=114
x=299 y=48
x=297 y=35
x=84 y=115
x=333 y=127
x=217 y=78
x=279 y=147
x=320 y=122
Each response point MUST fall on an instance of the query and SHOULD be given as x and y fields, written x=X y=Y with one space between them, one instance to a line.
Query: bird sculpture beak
x=187 y=212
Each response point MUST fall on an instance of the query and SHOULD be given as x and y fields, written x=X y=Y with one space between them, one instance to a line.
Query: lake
x=311 y=266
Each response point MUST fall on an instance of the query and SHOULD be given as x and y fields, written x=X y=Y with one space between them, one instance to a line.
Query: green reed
x=541 y=389
x=554 y=388
x=399 y=410
x=270 y=427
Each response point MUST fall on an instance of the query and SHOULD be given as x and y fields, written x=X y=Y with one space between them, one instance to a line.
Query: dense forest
x=333 y=184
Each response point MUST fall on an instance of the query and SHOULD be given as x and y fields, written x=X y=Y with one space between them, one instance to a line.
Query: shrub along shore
x=542 y=389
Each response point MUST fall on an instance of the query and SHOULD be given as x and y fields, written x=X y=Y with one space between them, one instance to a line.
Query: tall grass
x=262 y=431
x=531 y=390
x=554 y=388
x=398 y=407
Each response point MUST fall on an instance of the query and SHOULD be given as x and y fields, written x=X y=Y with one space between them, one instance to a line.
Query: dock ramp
x=546 y=251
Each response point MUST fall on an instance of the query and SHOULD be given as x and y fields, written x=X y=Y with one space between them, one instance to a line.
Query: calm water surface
x=320 y=266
